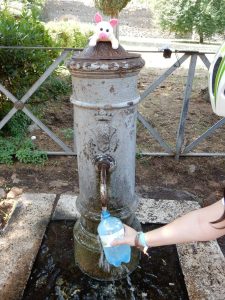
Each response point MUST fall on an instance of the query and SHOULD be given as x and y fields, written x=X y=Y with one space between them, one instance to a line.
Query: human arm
x=193 y=226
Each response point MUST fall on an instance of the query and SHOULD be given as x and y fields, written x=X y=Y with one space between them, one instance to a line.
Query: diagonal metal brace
x=154 y=133
x=19 y=105
x=46 y=129
x=205 y=60
x=44 y=76
x=166 y=74
x=184 y=111
x=205 y=135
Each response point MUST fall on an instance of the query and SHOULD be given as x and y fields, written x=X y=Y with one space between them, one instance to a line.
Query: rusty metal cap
x=103 y=59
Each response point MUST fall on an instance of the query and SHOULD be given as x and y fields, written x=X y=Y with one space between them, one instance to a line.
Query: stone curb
x=149 y=210
x=66 y=208
x=20 y=242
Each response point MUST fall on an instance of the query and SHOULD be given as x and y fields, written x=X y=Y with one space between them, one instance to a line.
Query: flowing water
x=54 y=275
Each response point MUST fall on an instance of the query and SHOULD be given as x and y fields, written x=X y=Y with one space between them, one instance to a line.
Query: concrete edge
x=21 y=241
x=149 y=210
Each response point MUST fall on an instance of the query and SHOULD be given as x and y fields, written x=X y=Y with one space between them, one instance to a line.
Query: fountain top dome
x=103 y=59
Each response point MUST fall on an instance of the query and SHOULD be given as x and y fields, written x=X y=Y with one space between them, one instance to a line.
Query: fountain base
x=90 y=259
x=54 y=275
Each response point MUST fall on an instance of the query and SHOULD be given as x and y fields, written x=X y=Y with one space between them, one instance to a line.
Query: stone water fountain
x=105 y=99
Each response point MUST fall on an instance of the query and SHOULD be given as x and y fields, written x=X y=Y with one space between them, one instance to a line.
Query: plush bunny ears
x=98 y=18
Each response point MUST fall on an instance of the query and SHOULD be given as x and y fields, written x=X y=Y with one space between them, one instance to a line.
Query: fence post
x=184 y=111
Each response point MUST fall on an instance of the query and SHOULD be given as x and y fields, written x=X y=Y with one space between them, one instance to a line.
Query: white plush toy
x=104 y=32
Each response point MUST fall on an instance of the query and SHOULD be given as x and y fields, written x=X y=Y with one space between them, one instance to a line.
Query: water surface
x=54 y=275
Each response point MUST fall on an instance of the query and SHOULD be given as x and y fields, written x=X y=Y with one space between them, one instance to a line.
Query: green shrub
x=20 y=68
x=7 y=150
x=22 y=149
x=53 y=89
x=68 y=34
x=68 y=133
x=35 y=7
x=18 y=124
x=28 y=153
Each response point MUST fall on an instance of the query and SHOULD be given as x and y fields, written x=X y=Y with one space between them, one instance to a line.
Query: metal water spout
x=103 y=186
x=105 y=99
x=105 y=164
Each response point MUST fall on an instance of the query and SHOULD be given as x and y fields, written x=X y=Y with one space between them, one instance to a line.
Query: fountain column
x=105 y=99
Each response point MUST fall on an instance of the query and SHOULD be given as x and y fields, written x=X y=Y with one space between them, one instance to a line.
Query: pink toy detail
x=104 y=32
x=113 y=22
x=98 y=18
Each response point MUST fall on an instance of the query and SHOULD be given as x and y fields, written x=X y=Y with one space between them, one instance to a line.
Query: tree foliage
x=205 y=17
x=111 y=7
x=20 y=68
x=35 y=6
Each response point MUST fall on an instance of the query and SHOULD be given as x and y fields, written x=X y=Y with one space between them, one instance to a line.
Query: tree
x=205 y=17
x=111 y=8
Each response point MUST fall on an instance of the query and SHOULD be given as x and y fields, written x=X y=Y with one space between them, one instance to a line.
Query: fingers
x=121 y=241
x=118 y=242
x=126 y=228
x=129 y=236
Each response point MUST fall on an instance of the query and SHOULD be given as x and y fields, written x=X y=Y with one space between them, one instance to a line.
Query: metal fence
x=177 y=151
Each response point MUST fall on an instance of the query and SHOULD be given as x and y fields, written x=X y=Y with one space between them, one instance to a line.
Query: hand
x=129 y=237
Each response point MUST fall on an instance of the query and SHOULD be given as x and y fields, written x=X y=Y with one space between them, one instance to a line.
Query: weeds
x=68 y=133
x=22 y=149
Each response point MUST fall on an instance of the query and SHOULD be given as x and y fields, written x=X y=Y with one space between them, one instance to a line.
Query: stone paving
x=202 y=263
